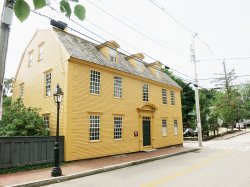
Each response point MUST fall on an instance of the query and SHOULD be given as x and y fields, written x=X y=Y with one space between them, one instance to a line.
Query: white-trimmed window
x=30 y=58
x=164 y=96
x=94 y=127
x=117 y=87
x=95 y=77
x=46 y=121
x=164 y=127
x=172 y=94
x=40 y=51
x=21 y=91
x=112 y=54
x=48 y=84
x=157 y=73
x=118 y=128
x=140 y=66
x=145 y=93
x=175 y=127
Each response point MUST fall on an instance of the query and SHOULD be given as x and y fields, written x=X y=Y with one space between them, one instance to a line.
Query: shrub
x=18 y=120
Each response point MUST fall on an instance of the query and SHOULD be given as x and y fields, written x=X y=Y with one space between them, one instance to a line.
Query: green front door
x=146 y=133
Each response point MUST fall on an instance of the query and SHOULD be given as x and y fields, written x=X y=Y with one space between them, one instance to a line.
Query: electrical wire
x=217 y=78
x=182 y=25
x=140 y=27
x=224 y=59
x=128 y=54
x=137 y=31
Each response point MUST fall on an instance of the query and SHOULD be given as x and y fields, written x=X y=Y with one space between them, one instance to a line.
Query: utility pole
x=197 y=103
x=6 y=20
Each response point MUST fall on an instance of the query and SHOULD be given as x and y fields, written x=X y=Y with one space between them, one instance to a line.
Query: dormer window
x=157 y=73
x=112 y=54
x=140 y=66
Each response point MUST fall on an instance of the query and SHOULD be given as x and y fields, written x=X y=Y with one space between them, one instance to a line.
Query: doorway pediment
x=147 y=107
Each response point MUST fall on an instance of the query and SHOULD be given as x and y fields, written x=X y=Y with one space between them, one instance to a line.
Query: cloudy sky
x=162 y=33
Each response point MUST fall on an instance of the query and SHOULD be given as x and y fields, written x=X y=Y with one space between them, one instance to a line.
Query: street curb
x=99 y=170
x=236 y=135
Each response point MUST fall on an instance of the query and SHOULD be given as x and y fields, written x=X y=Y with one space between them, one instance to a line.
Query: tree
x=228 y=106
x=21 y=121
x=206 y=99
x=187 y=97
x=22 y=8
x=7 y=86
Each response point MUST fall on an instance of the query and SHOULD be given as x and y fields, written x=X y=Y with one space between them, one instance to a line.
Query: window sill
x=118 y=140
x=93 y=94
x=94 y=141
x=118 y=98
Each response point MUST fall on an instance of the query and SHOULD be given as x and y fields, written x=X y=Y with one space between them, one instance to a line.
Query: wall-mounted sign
x=135 y=133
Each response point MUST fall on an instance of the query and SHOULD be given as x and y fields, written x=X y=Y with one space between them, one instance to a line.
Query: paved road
x=221 y=163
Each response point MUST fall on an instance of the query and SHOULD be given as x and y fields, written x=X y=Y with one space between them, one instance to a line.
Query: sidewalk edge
x=245 y=132
x=44 y=182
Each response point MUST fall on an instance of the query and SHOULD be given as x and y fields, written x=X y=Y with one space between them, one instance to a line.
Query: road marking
x=187 y=170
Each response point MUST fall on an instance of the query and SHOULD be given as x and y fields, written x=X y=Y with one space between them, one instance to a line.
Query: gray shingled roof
x=86 y=50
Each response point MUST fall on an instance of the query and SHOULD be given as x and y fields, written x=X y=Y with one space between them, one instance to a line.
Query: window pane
x=48 y=84
x=172 y=98
x=145 y=92
x=164 y=96
x=46 y=121
x=164 y=127
x=94 y=127
x=94 y=82
x=117 y=87
x=117 y=128
x=175 y=127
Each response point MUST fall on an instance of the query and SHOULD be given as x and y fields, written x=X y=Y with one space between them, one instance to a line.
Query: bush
x=19 y=120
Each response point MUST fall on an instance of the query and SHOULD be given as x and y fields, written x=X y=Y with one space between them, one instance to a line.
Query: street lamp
x=56 y=171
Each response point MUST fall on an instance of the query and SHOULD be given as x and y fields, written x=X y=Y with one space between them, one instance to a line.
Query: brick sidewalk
x=80 y=168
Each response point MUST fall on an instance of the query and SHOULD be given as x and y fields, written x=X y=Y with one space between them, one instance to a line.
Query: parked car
x=196 y=132
x=240 y=125
x=188 y=132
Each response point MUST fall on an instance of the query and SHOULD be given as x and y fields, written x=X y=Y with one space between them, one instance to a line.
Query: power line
x=138 y=26
x=189 y=77
x=182 y=25
x=217 y=78
x=137 y=31
x=172 y=17
x=222 y=59
x=128 y=54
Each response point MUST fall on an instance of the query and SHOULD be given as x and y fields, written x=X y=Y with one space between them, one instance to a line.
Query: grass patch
x=28 y=167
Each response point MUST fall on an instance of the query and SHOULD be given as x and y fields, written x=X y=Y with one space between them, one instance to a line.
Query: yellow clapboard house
x=112 y=103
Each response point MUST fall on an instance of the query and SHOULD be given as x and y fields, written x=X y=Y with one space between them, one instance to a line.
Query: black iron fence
x=19 y=151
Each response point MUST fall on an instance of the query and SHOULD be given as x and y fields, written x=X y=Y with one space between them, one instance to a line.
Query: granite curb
x=237 y=134
x=99 y=170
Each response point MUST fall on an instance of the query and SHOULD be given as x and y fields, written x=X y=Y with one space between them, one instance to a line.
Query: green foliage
x=38 y=4
x=18 y=120
x=7 y=86
x=22 y=8
x=245 y=93
x=80 y=11
x=28 y=167
x=65 y=7
x=6 y=102
x=206 y=98
x=187 y=97
x=228 y=106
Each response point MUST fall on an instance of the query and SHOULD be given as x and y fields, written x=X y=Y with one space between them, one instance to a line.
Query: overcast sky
x=139 y=26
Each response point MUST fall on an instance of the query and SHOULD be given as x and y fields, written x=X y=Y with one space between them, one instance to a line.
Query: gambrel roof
x=85 y=50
